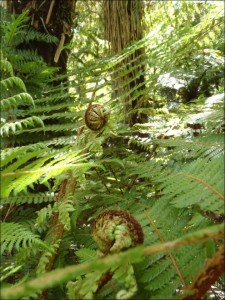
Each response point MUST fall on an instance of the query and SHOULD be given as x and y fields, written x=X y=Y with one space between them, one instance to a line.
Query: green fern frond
x=9 y=154
x=83 y=237
x=19 y=56
x=43 y=217
x=17 y=179
x=14 y=101
x=199 y=182
x=21 y=125
x=14 y=28
x=9 y=82
x=8 y=271
x=32 y=35
x=67 y=127
x=67 y=246
x=86 y=254
x=34 y=199
x=15 y=236
x=64 y=209
x=41 y=268
x=6 y=67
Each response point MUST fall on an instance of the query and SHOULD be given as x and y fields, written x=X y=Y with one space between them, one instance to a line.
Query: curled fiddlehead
x=96 y=117
x=116 y=230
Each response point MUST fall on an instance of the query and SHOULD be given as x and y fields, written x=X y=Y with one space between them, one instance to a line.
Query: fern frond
x=64 y=209
x=9 y=82
x=34 y=199
x=9 y=154
x=32 y=35
x=199 y=182
x=86 y=254
x=39 y=169
x=14 y=101
x=41 y=268
x=15 y=236
x=8 y=271
x=20 y=125
x=15 y=27
x=43 y=217
x=6 y=67
x=23 y=55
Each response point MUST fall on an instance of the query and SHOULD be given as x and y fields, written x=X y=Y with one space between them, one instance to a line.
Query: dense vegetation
x=80 y=184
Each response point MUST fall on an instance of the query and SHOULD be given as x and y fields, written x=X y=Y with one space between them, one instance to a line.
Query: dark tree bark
x=49 y=16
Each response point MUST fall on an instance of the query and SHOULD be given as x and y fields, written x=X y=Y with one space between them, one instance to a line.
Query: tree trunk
x=123 y=25
x=53 y=17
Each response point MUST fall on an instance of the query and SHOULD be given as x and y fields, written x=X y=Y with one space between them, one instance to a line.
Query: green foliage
x=167 y=172
x=15 y=236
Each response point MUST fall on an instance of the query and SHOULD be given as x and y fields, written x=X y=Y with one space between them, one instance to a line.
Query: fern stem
x=56 y=229
x=187 y=240
x=206 y=184
x=167 y=251
x=9 y=210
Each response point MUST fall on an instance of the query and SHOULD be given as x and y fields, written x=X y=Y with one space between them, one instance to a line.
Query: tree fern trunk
x=123 y=25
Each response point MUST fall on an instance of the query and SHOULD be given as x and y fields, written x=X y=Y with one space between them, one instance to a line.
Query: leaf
x=86 y=255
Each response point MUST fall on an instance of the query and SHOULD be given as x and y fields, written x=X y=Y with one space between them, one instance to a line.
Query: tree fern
x=166 y=173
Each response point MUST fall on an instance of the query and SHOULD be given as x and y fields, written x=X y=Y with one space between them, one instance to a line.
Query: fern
x=86 y=254
x=15 y=178
x=165 y=172
x=16 y=236
x=9 y=82
x=20 y=99
x=18 y=126
x=6 y=67
x=29 y=198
